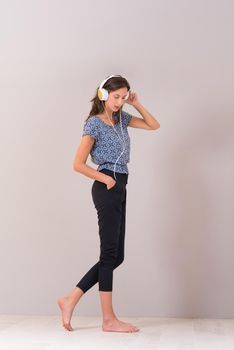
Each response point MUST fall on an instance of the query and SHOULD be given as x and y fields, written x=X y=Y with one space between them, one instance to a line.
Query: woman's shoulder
x=92 y=120
x=90 y=117
x=90 y=127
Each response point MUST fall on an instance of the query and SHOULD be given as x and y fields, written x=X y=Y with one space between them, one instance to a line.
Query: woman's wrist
x=106 y=179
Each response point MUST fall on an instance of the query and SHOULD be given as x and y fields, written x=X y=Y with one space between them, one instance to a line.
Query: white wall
x=178 y=57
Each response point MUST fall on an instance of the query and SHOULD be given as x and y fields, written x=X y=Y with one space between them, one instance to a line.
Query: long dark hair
x=111 y=84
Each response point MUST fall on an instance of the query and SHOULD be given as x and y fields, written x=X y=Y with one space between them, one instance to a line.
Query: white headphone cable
x=118 y=136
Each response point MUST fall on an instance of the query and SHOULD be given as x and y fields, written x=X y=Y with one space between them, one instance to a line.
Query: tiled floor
x=47 y=333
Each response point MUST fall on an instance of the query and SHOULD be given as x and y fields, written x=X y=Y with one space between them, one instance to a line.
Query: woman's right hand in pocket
x=110 y=183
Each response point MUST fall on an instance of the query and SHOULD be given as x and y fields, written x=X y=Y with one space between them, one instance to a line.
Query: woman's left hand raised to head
x=132 y=99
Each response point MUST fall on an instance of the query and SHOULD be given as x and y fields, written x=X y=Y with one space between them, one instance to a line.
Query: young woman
x=105 y=137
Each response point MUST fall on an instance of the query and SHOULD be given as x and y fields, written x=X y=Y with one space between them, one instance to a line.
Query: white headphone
x=103 y=96
x=103 y=93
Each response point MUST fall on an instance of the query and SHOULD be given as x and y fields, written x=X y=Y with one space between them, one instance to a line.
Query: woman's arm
x=81 y=157
x=148 y=122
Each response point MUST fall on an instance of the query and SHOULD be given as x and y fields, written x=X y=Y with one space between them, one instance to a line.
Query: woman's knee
x=108 y=257
x=119 y=261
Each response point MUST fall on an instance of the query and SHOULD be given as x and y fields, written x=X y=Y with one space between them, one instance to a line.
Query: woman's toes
x=135 y=329
x=68 y=327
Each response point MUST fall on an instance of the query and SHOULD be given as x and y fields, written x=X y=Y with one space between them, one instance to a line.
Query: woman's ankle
x=109 y=318
x=75 y=294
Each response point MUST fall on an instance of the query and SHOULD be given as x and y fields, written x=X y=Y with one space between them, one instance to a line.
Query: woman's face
x=116 y=99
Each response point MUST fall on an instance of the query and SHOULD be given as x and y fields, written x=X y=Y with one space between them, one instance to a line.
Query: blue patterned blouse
x=107 y=146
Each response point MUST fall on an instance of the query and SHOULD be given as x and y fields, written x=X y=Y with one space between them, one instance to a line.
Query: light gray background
x=178 y=57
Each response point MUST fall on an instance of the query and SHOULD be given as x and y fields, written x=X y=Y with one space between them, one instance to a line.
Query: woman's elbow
x=77 y=166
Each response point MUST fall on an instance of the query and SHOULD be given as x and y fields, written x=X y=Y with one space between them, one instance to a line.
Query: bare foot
x=116 y=325
x=66 y=309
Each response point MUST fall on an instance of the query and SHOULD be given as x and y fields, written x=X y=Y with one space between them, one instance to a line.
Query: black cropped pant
x=111 y=212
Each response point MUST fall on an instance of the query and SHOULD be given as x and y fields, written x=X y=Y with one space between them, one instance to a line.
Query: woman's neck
x=105 y=118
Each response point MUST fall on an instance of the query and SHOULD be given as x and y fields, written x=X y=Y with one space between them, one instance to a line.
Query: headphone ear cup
x=127 y=96
x=105 y=94
x=102 y=94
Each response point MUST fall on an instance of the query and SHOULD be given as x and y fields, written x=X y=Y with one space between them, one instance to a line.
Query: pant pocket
x=117 y=186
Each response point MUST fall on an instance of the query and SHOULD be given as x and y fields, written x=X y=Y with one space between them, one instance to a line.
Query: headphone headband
x=110 y=76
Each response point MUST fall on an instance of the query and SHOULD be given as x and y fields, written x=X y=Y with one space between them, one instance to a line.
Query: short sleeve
x=90 y=128
x=126 y=118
